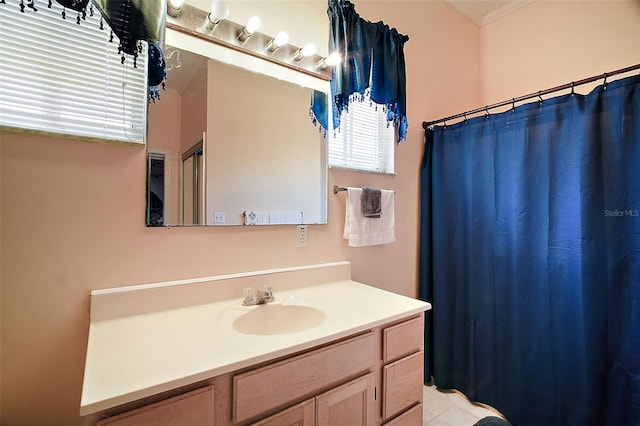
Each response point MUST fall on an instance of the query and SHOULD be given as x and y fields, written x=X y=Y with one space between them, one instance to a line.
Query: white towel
x=367 y=231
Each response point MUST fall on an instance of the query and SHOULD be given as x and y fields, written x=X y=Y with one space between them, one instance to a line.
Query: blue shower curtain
x=530 y=254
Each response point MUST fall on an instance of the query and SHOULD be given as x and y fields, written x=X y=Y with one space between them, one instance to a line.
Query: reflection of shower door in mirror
x=193 y=185
x=157 y=178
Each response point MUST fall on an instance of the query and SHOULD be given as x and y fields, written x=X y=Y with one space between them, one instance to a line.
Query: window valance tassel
x=316 y=123
x=156 y=70
x=81 y=16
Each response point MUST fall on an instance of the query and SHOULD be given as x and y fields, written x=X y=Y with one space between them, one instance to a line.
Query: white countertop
x=141 y=354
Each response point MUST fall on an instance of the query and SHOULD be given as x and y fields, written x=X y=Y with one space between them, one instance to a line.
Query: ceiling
x=484 y=11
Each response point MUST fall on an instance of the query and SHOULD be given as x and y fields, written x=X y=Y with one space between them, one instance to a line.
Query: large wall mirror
x=231 y=146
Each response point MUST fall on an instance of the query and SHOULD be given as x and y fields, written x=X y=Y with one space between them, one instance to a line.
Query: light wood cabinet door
x=193 y=408
x=302 y=414
x=402 y=383
x=351 y=404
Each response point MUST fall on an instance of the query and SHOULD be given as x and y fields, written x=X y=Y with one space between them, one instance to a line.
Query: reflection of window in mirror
x=156 y=188
x=364 y=140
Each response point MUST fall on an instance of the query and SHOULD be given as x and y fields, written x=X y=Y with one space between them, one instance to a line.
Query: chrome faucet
x=254 y=296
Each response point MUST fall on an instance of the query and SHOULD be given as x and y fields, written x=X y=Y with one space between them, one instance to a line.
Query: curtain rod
x=539 y=94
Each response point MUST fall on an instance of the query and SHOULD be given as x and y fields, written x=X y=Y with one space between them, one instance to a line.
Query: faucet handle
x=250 y=297
x=268 y=294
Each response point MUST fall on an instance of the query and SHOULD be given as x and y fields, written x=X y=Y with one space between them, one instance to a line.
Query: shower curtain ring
x=540 y=97
x=513 y=105
x=465 y=117
x=486 y=111
x=604 y=83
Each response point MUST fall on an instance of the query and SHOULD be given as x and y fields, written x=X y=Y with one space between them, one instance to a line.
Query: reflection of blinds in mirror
x=66 y=78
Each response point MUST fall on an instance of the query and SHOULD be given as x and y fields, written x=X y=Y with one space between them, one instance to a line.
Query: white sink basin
x=278 y=319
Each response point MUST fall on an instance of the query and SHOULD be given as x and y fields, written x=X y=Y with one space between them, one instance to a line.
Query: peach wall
x=194 y=106
x=550 y=43
x=73 y=221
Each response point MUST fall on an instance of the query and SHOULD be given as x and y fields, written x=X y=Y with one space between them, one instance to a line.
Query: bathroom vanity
x=327 y=351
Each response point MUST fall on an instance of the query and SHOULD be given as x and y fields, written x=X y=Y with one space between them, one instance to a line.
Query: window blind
x=58 y=76
x=364 y=140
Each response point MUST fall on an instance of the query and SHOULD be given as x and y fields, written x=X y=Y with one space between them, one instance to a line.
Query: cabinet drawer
x=193 y=408
x=403 y=339
x=402 y=384
x=411 y=417
x=288 y=381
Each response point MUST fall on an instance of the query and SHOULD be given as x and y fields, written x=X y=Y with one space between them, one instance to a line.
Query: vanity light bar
x=213 y=26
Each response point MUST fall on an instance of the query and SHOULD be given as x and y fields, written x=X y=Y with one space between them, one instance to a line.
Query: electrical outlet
x=219 y=218
x=302 y=236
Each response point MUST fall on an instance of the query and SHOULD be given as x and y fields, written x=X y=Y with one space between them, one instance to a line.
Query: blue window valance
x=372 y=66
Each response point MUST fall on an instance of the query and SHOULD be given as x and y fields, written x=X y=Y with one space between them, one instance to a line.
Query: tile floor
x=452 y=408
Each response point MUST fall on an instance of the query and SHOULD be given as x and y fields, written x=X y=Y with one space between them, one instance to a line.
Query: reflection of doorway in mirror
x=192 y=187
x=157 y=172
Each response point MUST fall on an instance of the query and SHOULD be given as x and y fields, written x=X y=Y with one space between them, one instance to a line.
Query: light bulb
x=333 y=59
x=247 y=31
x=306 y=51
x=281 y=39
x=330 y=61
x=276 y=43
x=174 y=7
x=219 y=10
x=253 y=24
